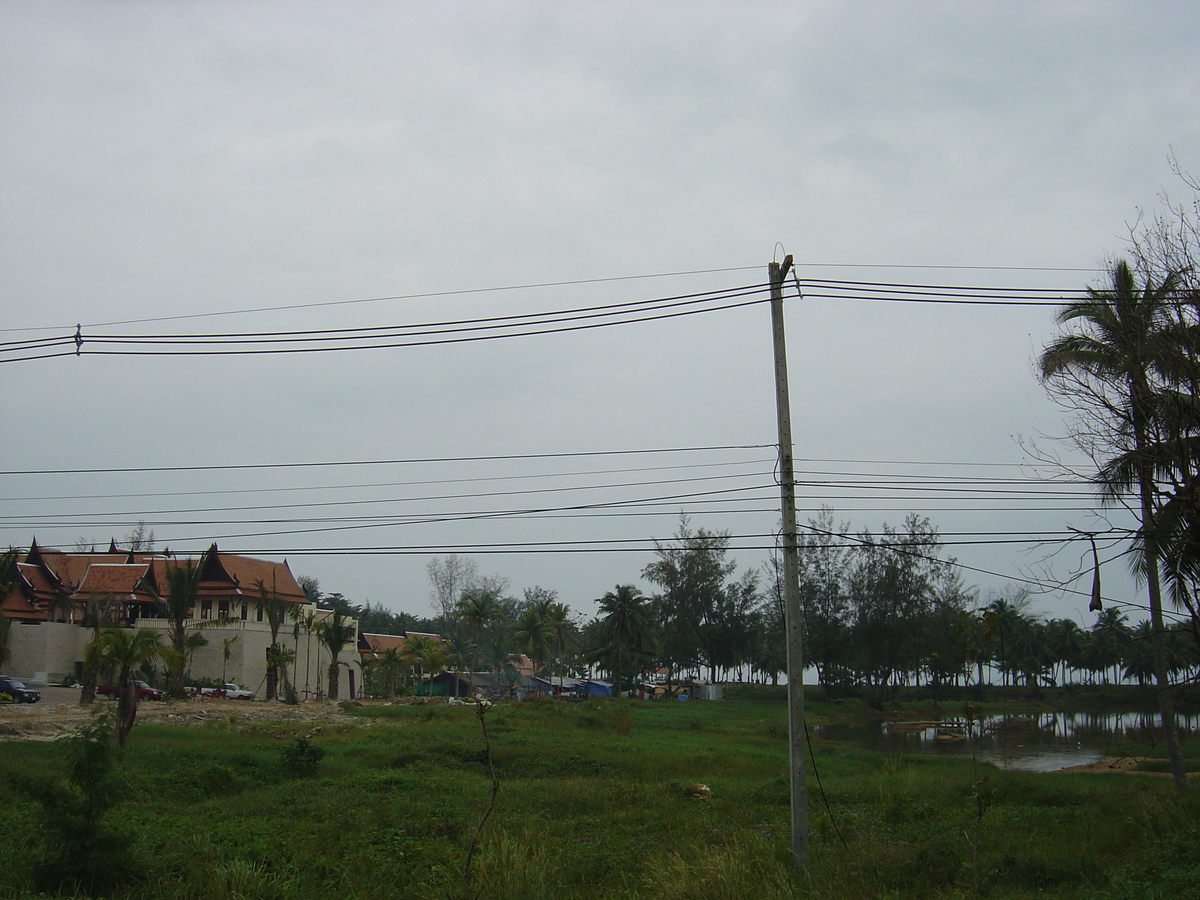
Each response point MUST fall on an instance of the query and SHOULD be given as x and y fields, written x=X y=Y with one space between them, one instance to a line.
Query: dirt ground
x=60 y=713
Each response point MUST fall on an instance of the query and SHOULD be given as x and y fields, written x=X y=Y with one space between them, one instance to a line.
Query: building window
x=223 y=609
x=258 y=611
x=245 y=611
x=205 y=609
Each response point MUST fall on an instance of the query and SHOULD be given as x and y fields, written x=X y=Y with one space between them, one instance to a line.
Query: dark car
x=18 y=691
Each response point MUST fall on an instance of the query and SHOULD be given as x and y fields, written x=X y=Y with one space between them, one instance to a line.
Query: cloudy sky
x=199 y=169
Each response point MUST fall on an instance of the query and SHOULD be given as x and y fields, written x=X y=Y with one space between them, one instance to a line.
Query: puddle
x=1045 y=742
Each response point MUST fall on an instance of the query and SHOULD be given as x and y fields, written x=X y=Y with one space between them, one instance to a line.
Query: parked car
x=228 y=690
x=144 y=691
x=18 y=691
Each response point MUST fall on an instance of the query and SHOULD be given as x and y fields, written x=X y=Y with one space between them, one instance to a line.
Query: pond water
x=1041 y=742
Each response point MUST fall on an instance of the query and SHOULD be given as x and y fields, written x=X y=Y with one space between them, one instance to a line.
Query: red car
x=144 y=691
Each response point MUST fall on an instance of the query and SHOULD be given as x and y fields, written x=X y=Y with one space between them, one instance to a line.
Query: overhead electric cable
x=387 y=462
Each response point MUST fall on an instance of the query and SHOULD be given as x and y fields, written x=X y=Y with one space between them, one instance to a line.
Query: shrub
x=301 y=758
x=79 y=850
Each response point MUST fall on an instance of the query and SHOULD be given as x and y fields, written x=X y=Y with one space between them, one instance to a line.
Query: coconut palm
x=287 y=656
x=390 y=664
x=126 y=650
x=1137 y=657
x=275 y=610
x=335 y=632
x=626 y=623
x=1065 y=639
x=177 y=607
x=427 y=654
x=1104 y=366
x=477 y=609
x=558 y=617
x=100 y=612
x=534 y=635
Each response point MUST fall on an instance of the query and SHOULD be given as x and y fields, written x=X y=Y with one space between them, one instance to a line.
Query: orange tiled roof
x=247 y=573
x=112 y=578
x=17 y=606
x=35 y=578
x=45 y=570
x=374 y=645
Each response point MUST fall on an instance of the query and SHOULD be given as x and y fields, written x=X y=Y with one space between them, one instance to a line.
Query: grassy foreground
x=596 y=800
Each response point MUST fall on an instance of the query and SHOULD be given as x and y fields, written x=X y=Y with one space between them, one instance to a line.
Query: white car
x=229 y=690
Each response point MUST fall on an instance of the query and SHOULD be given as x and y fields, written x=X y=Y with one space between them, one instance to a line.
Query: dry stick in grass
x=481 y=709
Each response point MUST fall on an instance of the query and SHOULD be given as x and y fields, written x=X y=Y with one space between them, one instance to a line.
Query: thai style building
x=62 y=597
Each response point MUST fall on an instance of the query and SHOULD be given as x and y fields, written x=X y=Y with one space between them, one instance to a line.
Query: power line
x=505 y=327
x=387 y=462
x=538 y=285
x=393 y=336
x=416 y=296
x=375 y=485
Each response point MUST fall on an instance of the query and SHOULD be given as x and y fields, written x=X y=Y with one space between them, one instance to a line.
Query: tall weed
x=744 y=871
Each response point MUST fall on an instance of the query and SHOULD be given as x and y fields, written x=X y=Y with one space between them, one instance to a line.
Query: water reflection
x=1042 y=742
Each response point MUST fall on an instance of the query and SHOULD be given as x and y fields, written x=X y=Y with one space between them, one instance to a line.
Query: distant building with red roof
x=57 y=585
x=53 y=609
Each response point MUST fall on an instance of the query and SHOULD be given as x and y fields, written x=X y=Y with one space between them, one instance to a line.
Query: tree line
x=880 y=611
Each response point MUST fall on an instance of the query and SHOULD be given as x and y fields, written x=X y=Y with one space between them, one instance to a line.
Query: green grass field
x=595 y=802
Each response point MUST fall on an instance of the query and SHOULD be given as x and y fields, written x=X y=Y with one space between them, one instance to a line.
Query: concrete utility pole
x=791 y=575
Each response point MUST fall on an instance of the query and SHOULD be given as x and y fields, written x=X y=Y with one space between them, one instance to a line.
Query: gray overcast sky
x=182 y=159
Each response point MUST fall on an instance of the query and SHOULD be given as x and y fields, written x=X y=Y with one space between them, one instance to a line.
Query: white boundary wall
x=48 y=653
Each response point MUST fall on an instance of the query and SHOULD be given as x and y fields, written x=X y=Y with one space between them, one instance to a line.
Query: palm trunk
x=333 y=678
x=126 y=708
x=1166 y=701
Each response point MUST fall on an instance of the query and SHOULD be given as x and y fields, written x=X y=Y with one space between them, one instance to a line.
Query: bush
x=79 y=850
x=301 y=758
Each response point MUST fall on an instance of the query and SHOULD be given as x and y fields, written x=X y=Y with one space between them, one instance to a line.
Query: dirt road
x=59 y=713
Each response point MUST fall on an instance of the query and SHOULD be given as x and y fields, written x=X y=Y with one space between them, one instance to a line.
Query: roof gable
x=112 y=578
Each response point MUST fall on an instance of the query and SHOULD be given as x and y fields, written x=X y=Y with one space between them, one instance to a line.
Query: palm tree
x=177 y=607
x=558 y=617
x=335 y=632
x=534 y=636
x=1106 y=363
x=1006 y=617
x=275 y=609
x=287 y=655
x=478 y=608
x=1137 y=657
x=1065 y=638
x=308 y=623
x=126 y=650
x=226 y=653
x=1112 y=636
x=390 y=663
x=99 y=613
x=626 y=624
x=427 y=654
